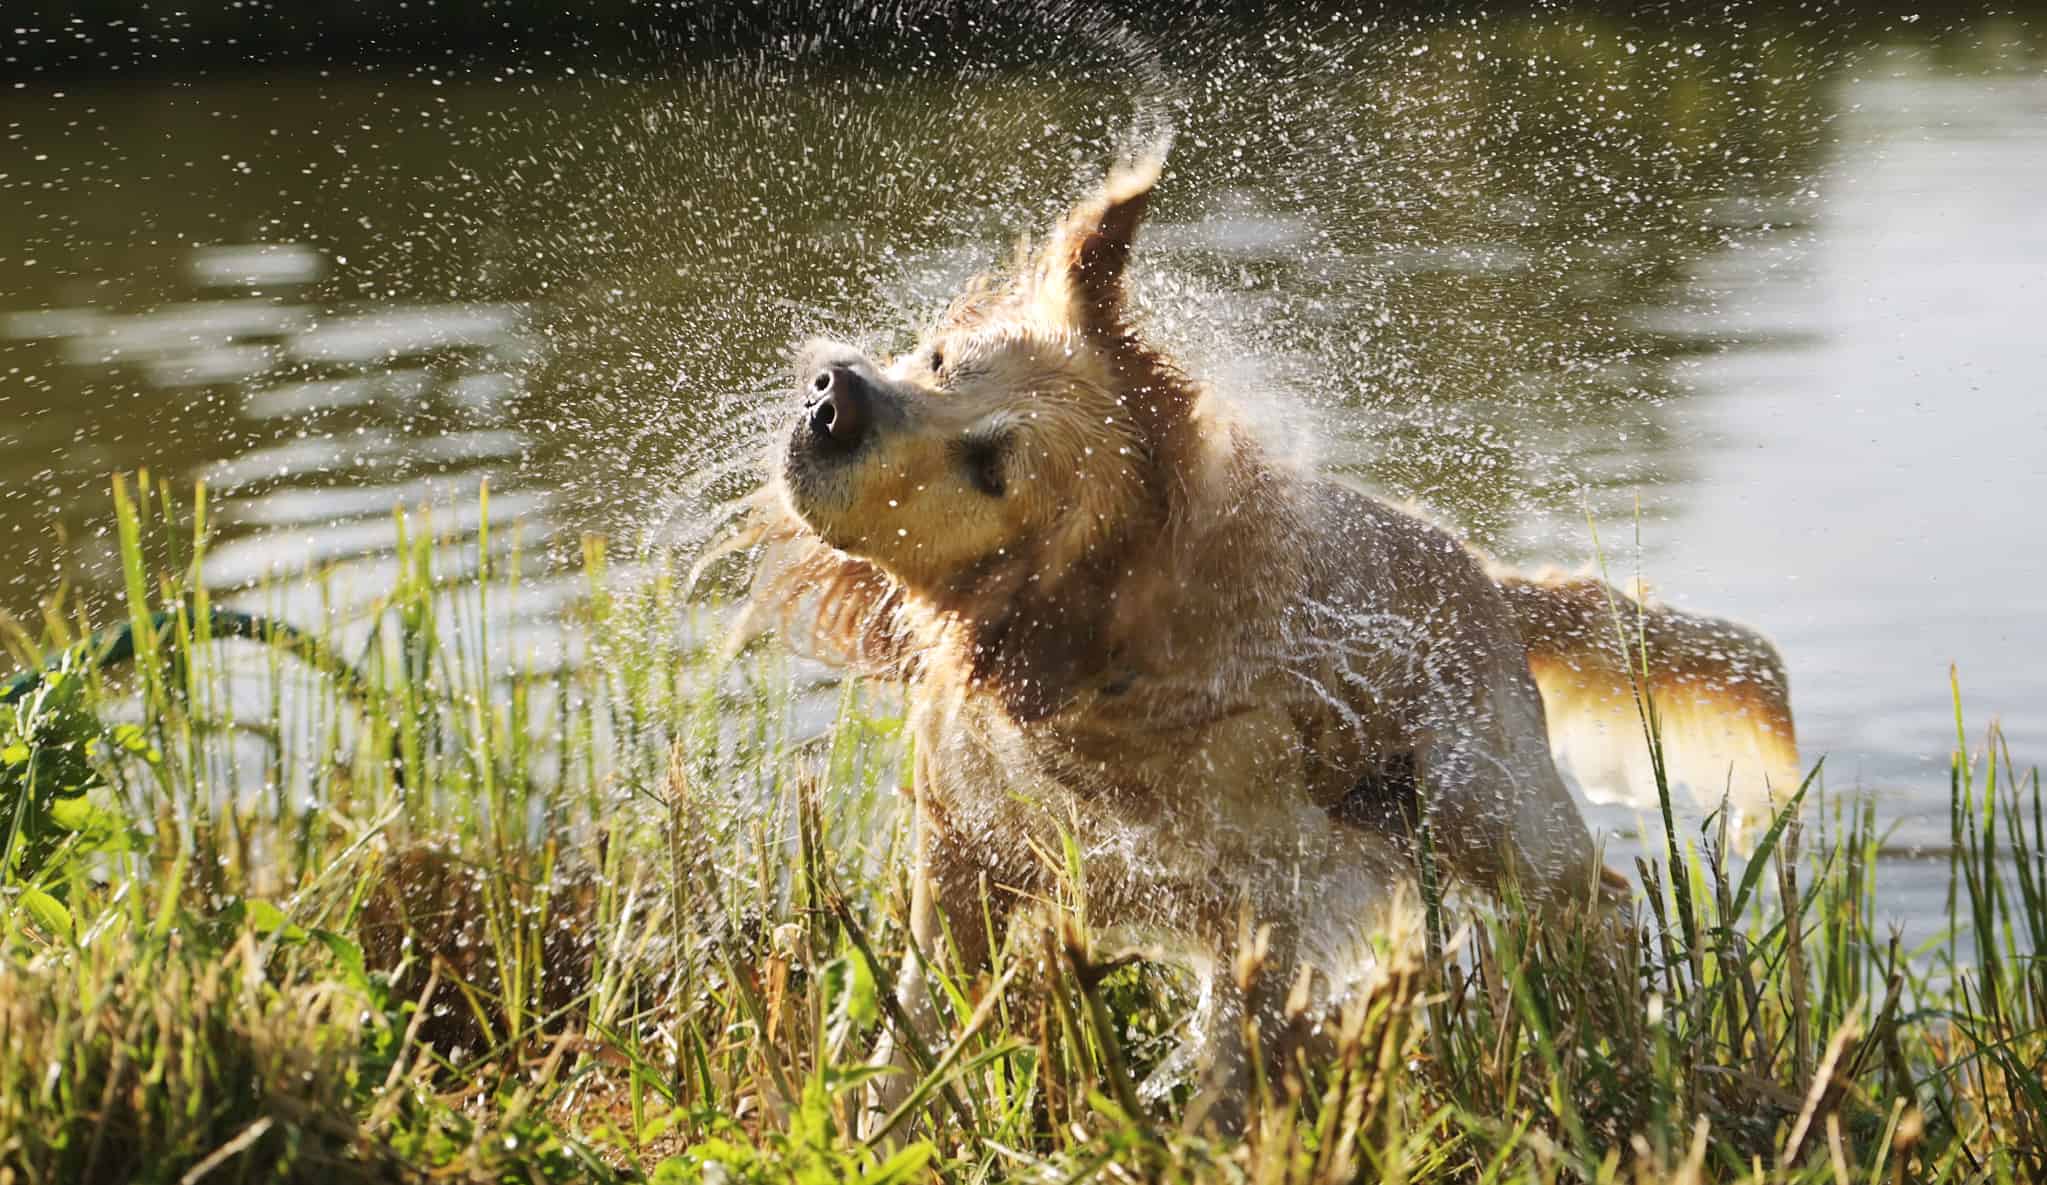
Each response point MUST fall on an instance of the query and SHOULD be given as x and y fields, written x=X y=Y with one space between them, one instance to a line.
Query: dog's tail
x=1722 y=701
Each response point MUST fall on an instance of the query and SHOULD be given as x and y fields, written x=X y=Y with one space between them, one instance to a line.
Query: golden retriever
x=1236 y=685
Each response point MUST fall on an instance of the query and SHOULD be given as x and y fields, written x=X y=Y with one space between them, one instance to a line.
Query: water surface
x=1767 y=303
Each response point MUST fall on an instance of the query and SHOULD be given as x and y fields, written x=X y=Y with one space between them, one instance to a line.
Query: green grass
x=386 y=902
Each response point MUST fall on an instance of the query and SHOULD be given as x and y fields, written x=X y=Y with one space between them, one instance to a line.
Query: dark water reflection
x=1783 y=295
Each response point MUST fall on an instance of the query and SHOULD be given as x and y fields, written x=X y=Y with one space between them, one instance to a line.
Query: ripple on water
x=385 y=334
x=290 y=551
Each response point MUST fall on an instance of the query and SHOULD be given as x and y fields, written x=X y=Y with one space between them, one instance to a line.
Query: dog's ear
x=1079 y=281
x=1080 y=273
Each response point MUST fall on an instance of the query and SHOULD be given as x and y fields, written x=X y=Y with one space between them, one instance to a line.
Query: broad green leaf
x=906 y=1165
x=346 y=953
x=266 y=918
x=49 y=913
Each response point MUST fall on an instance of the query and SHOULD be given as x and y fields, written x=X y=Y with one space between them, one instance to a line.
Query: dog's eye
x=982 y=458
x=937 y=361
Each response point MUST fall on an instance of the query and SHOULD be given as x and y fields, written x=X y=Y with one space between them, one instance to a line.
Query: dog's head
x=1004 y=477
x=1017 y=436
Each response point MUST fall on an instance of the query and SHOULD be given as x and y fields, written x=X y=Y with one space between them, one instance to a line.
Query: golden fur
x=1236 y=685
x=1721 y=697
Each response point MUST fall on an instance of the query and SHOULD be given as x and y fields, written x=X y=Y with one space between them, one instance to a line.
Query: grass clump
x=135 y=1061
x=391 y=900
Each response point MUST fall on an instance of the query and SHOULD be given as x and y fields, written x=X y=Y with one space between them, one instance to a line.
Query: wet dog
x=1238 y=687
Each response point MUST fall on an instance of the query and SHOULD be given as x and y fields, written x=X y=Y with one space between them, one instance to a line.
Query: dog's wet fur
x=1239 y=686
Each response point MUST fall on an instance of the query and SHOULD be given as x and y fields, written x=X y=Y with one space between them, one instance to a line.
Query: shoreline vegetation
x=392 y=901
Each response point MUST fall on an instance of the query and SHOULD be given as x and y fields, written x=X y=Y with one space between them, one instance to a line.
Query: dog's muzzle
x=838 y=409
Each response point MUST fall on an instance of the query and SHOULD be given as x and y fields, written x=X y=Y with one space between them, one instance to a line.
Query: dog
x=1239 y=687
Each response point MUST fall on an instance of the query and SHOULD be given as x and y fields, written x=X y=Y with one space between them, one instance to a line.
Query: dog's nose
x=838 y=406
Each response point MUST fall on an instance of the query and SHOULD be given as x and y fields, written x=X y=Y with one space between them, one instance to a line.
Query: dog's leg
x=1496 y=807
x=1246 y=1028
x=1501 y=814
x=948 y=927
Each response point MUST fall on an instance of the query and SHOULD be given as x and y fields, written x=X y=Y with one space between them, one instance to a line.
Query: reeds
x=389 y=898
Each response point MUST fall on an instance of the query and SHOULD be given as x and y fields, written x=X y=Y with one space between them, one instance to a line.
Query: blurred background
x=1753 y=291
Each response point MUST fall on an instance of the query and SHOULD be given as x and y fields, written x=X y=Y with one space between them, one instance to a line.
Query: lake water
x=1774 y=303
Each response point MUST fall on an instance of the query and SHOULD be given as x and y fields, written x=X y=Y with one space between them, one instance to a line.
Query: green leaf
x=14 y=754
x=346 y=953
x=131 y=737
x=263 y=915
x=50 y=914
x=266 y=918
x=906 y=1165
x=862 y=1005
x=1761 y=857
x=79 y=814
x=724 y=1153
